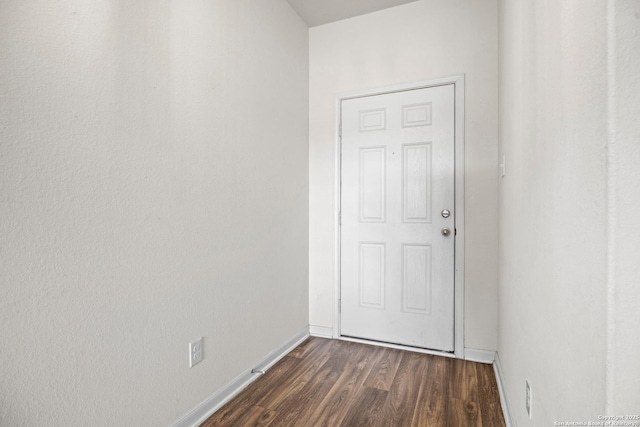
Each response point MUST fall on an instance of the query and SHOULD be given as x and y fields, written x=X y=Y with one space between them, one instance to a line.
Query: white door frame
x=458 y=82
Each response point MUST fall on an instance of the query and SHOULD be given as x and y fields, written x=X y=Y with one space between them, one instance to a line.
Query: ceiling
x=319 y=12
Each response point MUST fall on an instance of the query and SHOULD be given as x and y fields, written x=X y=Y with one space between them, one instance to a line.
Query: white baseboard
x=204 y=410
x=320 y=331
x=497 y=368
x=481 y=356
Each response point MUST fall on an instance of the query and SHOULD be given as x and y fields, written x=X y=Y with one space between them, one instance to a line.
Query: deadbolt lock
x=446 y=213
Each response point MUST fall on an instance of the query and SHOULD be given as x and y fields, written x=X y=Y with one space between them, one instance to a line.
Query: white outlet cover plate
x=195 y=352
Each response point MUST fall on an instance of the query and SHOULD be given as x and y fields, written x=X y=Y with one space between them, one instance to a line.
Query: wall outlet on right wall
x=528 y=399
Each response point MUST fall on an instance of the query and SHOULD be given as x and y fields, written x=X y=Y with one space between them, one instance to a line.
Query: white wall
x=153 y=189
x=418 y=41
x=569 y=205
x=623 y=387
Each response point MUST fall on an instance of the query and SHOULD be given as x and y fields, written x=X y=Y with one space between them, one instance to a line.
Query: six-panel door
x=397 y=266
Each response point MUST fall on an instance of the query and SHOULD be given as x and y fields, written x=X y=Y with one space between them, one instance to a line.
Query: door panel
x=416 y=182
x=397 y=268
x=372 y=184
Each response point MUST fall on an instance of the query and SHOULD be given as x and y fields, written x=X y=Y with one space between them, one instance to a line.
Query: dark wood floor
x=338 y=383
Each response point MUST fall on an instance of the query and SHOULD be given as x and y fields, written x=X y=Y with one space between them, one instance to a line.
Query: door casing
x=458 y=82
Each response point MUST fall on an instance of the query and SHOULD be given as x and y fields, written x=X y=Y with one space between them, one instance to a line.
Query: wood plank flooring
x=335 y=383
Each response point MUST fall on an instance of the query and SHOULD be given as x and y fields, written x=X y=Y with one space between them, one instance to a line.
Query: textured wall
x=418 y=41
x=553 y=208
x=153 y=189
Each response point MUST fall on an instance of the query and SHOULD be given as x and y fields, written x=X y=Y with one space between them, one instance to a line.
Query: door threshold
x=398 y=346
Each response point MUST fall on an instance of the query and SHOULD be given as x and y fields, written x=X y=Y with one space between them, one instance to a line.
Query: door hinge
x=340 y=130
x=339 y=217
x=339 y=306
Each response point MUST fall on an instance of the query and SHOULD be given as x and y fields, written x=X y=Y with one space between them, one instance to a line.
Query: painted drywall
x=623 y=358
x=418 y=41
x=569 y=205
x=553 y=208
x=153 y=189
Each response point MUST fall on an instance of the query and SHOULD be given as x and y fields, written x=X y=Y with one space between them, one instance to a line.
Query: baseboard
x=320 y=331
x=204 y=410
x=481 y=356
x=497 y=368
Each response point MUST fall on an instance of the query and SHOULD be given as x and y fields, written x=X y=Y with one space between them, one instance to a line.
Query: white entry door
x=398 y=218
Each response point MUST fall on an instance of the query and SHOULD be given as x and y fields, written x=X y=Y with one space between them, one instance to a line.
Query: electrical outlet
x=528 y=400
x=195 y=352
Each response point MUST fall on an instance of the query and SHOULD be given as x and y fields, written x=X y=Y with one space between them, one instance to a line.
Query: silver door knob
x=446 y=231
x=445 y=213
